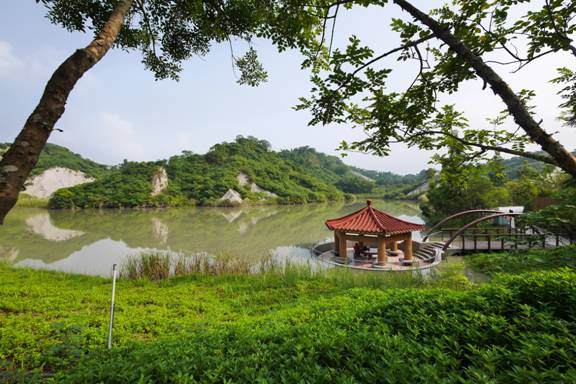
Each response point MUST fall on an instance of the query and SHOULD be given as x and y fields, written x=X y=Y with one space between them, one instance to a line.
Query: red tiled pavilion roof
x=372 y=220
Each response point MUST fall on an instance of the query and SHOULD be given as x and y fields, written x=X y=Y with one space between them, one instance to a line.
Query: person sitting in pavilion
x=357 y=252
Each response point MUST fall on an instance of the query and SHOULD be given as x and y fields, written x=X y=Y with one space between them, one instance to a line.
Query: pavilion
x=374 y=227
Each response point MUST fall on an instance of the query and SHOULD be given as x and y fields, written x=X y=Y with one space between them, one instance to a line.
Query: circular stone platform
x=394 y=263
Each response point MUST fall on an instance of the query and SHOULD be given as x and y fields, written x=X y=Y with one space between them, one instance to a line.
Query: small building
x=508 y=220
x=371 y=226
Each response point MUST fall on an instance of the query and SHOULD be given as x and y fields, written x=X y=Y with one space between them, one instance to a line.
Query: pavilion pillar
x=394 y=246
x=336 y=243
x=342 y=252
x=382 y=251
x=408 y=248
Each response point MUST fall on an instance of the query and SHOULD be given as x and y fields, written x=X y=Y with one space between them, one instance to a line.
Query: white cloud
x=108 y=138
x=9 y=62
x=37 y=65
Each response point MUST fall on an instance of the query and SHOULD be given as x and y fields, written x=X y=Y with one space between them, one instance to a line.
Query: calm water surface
x=89 y=242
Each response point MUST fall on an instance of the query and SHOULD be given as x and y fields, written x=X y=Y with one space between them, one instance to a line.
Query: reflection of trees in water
x=254 y=231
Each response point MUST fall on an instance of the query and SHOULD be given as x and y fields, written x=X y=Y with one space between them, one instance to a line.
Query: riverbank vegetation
x=291 y=326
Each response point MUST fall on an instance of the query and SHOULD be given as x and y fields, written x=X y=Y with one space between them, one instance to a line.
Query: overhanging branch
x=514 y=103
x=486 y=147
x=411 y=44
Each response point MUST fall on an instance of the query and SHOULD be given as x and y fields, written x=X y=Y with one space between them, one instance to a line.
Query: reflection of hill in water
x=41 y=224
x=250 y=231
x=21 y=240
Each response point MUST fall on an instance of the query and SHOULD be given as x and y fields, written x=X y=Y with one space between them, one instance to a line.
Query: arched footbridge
x=470 y=237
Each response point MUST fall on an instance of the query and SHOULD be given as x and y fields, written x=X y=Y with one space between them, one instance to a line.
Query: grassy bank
x=48 y=319
x=294 y=326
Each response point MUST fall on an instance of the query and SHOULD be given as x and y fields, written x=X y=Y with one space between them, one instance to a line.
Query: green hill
x=333 y=170
x=203 y=179
x=329 y=169
x=56 y=156
x=514 y=164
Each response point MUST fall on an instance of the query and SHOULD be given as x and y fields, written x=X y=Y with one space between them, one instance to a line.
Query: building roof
x=372 y=220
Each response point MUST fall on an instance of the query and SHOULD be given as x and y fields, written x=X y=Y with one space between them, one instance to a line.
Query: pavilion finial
x=369 y=203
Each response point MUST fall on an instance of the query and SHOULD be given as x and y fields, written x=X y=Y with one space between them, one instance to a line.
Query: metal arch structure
x=473 y=223
x=463 y=213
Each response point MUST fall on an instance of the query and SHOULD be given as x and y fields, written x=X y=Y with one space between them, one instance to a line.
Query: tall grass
x=160 y=265
x=271 y=272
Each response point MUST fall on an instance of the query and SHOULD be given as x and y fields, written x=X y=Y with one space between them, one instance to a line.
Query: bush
x=523 y=261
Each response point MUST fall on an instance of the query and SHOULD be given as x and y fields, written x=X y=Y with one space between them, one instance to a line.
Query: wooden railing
x=446 y=233
x=504 y=241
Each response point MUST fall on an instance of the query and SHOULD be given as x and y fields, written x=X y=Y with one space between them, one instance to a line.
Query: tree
x=452 y=44
x=459 y=188
x=166 y=33
x=354 y=184
x=559 y=218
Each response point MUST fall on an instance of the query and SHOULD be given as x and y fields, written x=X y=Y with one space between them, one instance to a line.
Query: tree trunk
x=23 y=154
x=516 y=107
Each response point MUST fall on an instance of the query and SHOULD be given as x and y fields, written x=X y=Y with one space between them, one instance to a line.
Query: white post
x=112 y=306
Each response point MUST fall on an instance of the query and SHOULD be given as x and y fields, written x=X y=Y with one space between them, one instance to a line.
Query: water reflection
x=90 y=241
x=41 y=224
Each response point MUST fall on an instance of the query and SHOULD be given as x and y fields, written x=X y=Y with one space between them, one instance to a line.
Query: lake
x=89 y=242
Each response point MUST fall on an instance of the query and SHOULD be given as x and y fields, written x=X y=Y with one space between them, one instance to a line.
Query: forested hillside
x=292 y=176
x=514 y=165
x=332 y=169
x=57 y=156
x=203 y=179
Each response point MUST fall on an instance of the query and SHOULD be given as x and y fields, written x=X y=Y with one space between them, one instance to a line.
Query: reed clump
x=270 y=271
x=161 y=265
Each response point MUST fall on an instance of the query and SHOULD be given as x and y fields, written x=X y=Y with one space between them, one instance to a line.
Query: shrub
x=523 y=260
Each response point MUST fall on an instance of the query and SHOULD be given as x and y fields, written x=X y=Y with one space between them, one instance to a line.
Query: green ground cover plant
x=516 y=330
x=49 y=319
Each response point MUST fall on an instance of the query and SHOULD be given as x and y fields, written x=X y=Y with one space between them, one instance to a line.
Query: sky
x=118 y=111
